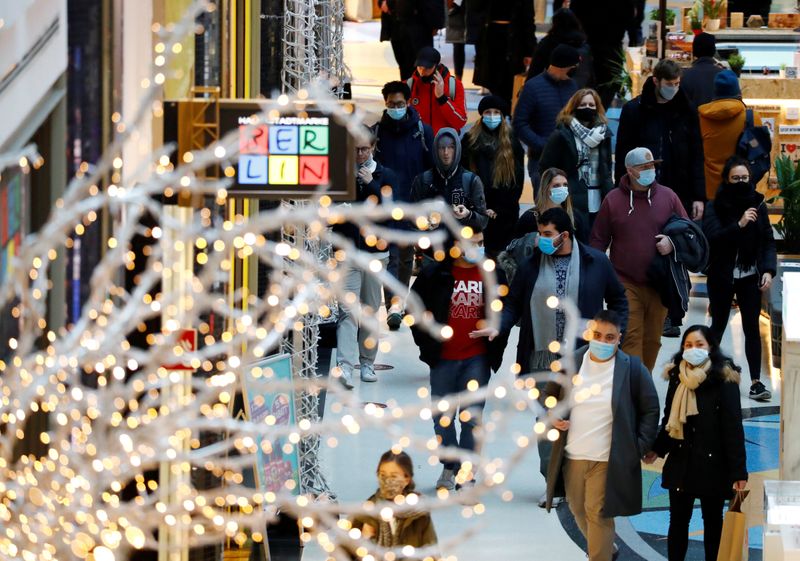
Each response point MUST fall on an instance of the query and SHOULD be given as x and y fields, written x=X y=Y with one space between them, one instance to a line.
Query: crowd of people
x=614 y=231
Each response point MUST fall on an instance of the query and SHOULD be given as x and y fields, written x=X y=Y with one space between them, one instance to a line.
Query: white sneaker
x=447 y=480
x=368 y=373
x=345 y=376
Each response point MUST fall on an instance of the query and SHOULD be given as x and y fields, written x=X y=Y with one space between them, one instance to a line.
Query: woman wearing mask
x=703 y=439
x=492 y=152
x=743 y=261
x=581 y=145
x=396 y=478
x=555 y=192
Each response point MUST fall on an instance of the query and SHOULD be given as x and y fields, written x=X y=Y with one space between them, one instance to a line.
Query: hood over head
x=446 y=133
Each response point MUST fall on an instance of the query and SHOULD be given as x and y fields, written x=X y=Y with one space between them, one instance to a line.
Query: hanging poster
x=269 y=399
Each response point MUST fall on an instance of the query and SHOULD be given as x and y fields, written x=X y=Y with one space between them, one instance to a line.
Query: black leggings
x=748 y=296
x=459 y=59
x=680 y=513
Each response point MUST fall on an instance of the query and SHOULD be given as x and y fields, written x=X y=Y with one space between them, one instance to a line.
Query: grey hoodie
x=452 y=183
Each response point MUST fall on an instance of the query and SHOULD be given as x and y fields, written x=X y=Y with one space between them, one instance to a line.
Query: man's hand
x=766 y=282
x=385 y=7
x=750 y=215
x=365 y=175
x=697 y=210
x=650 y=457
x=488 y=332
x=526 y=61
x=490 y=213
x=561 y=424
x=663 y=245
x=438 y=85
x=740 y=485
x=460 y=211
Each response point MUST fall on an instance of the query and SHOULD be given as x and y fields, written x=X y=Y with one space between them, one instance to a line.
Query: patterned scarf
x=586 y=141
x=386 y=538
x=684 y=402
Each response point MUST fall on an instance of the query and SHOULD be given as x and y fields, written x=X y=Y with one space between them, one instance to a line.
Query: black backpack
x=755 y=145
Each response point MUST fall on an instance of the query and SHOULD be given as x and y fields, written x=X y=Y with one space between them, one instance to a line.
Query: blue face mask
x=492 y=121
x=396 y=113
x=668 y=92
x=479 y=253
x=646 y=177
x=559 y=194
x=695 y=356
x=547 y=245
x=602 y=351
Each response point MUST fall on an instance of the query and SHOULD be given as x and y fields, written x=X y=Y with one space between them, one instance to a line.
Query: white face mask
x=695 y=356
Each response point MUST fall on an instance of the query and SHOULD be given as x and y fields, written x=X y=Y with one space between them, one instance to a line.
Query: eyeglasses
x=737 y=178
x=363 y=149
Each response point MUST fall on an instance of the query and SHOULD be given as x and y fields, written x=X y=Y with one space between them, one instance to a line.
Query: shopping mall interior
x=170 y=375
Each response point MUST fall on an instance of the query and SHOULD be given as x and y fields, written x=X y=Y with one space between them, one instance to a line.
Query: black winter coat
x=712 y=455
x=584 y=75
x=697 y=83
x=405 y=147
x=672 y=133
x=434 y=286
x=725 y=239
x=503 y=199
x=598 y=284
x=561 y=152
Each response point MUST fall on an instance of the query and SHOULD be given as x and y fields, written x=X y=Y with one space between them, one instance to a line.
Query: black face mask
x=571 y=72
x=586 y=115
x=427 y=79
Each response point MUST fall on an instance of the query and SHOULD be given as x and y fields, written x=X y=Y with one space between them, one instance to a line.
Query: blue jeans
x=450 y=377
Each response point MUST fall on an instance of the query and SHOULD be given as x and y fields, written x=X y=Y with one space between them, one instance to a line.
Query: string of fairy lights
x=93 y=493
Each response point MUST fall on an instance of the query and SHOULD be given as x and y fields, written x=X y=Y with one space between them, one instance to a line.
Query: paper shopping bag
x=733 y=545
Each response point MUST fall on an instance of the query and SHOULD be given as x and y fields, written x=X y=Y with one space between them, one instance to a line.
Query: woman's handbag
x=733 y=545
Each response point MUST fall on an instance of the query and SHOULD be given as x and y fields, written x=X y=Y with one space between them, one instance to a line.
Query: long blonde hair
x=503 y=173
x=566 y=114
x=543 y=201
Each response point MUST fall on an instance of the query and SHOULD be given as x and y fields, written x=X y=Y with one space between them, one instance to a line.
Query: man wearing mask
x=630 y=221
x=448 y=180
x=352 y=339
x=697 y=82
x=662 y=120
x=436 y=94
x=404 y=145
x=541 y=100
x=452 y=290
x=563 y=267
x=609 y=430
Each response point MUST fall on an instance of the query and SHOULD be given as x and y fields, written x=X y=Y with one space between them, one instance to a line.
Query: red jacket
x=447 y=111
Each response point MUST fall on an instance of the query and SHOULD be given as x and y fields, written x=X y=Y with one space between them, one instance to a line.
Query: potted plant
x=655 y=15
x=787 y=173
x=736 y=62
x=695 y=21
x=712 y=10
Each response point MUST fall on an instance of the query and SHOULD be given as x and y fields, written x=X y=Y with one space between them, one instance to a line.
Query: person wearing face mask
x=404 y=145
x=702 y=438
x=581 y=145
x=452 y=291
x=492 y=151
x=631 y=220
x=663 y=120
x=351 y=338
x=743 y=261
x=608 y=431
x=406 y=526
x=436 y=94
x=539 y=103
x=563 y=267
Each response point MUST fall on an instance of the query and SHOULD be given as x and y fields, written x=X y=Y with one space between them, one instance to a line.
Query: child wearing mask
x=396 y=478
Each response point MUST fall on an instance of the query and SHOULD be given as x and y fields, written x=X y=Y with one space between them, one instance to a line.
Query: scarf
x=386 y=538
x=586 y=141
x=684 y=401
x=543 y=318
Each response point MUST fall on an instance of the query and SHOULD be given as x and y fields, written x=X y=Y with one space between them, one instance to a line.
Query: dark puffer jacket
x=405 y=147
x=712 y=455
x=540 y=101
x=671 y=132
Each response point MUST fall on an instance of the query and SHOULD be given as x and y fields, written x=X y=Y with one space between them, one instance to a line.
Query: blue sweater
x=404 y=150
x=541 y=100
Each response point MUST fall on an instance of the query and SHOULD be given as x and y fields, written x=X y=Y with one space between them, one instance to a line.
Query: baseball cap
x=639 y=156
x=428 y=57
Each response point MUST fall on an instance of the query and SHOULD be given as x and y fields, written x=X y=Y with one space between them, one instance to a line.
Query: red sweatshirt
x=442 y=112
x=630 y=226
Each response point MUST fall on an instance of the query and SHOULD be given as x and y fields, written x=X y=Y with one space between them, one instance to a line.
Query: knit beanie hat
x=704 y=44
x=726 y=84
x=493 y=102
x=565 y=56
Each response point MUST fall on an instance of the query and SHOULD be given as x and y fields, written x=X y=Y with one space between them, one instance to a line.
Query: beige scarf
x=684 y=402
